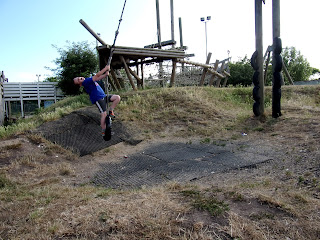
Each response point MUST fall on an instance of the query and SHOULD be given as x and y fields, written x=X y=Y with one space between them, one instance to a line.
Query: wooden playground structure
x=128 y=57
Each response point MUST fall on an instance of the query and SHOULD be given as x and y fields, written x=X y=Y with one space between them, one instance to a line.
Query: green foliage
x=76 y=60
x=51 y=79
x=203 y=202
x=298 y=66
x=241 y=72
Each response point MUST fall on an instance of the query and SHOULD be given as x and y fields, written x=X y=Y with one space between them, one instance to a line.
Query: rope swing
x=108 y=132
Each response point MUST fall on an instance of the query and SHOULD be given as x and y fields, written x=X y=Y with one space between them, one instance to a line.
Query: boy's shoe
x=111 y=114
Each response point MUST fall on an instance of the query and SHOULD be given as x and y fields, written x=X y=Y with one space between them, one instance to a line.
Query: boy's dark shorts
x=102 y=103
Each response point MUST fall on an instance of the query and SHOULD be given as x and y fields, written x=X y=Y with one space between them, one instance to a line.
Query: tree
x=77 y=60
x=51 y=79
x=241 y=72
x=298 y=67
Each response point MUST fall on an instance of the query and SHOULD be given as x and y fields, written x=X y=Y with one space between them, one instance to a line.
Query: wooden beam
x=93 y=33
x=205 y=70
x=287 y=74
x=209 y=67
x=128 y=73
x=266 y=68
x=139 y=81
x=115 y=79
x=162 y=44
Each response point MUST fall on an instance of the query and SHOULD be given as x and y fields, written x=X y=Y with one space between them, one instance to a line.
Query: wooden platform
x=134 y=56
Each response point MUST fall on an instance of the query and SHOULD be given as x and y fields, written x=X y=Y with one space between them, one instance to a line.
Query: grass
x=54 y=112
x=278 y=200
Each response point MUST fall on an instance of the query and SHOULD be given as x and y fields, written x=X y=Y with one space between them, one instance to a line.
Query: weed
x=211 y=204
x=205 y=203
x=258 y=129
x=206 y=140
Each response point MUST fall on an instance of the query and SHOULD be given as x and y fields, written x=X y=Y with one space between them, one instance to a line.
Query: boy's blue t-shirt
x=93 y=89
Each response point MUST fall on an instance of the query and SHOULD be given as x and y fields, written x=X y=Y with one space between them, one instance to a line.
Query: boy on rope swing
x=97 y=95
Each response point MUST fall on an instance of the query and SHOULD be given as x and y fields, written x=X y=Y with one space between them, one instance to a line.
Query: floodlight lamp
x=209 y=18
x=202 y=19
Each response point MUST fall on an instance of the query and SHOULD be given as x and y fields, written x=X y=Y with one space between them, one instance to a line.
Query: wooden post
x=115 y=79
x=173 y=74
x=181 y=40
x=213 y=76
x=142 y=74
x=172 y=21
x=266 y=68
x=205 y=70
x=128 y=72
x=112 y=82
x=221 y=71
x=2 y=110
x=287 y=74
x=136 y=77
x=259 y=48
x=159 y=40
x=158 y=23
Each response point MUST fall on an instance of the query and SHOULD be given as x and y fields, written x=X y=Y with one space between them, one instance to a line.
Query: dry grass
x=277 y=200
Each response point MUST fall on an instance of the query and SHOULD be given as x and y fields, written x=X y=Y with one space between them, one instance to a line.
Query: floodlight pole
x=205 y=25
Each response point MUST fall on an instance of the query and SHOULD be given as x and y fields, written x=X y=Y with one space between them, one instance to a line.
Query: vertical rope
x=112 y=50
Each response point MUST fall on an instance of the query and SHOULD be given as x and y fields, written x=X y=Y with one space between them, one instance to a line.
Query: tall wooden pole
x=159 y=39
x=172 y=21
x=259 y=49
x=158 y=23
x=276 y=18
x=181 y=40
x=277 y=60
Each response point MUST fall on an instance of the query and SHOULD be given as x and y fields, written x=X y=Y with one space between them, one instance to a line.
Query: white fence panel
x=40 y=91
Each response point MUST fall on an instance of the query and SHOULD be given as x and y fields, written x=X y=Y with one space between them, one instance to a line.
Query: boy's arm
x=102 y=73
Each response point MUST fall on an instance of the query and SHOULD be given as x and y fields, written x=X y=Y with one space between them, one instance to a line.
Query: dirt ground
x=283 y=192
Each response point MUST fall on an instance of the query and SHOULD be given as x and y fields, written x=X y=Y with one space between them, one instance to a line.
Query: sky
x=30 y=28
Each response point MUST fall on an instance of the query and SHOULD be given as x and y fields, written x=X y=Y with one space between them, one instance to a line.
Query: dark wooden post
x=115 y=79
x=276 y=60
x=128 y=72
x=172 y=21
x=181 y=40
x=259 y=49
x=221 y=71
x=173 y=74
x=205 y=70
x=213 y=76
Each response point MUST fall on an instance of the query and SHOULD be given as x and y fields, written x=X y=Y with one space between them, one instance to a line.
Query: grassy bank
x=41 y=196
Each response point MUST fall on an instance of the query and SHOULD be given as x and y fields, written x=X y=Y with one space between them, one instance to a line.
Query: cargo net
x=186 y=74
x=80 y=132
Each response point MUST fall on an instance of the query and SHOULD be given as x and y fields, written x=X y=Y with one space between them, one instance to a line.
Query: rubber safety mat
x=174 y=162
x=80 y=132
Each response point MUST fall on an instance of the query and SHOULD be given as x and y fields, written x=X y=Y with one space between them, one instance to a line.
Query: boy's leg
x=103 y=120
x=101 y=104
x=114 y=99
